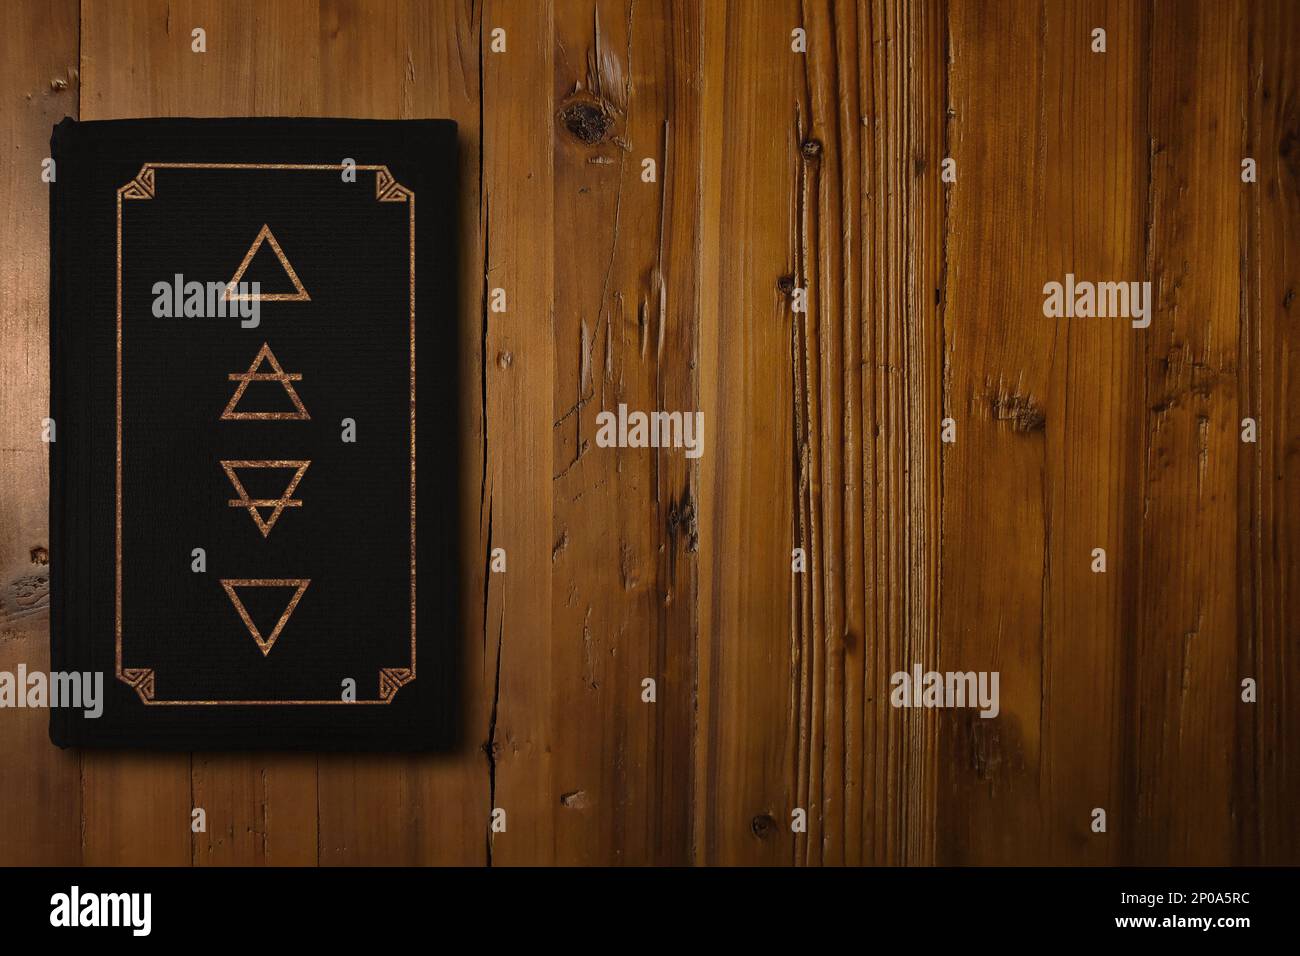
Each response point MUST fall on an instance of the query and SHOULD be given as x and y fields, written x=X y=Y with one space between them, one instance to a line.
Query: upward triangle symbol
x=298 y=295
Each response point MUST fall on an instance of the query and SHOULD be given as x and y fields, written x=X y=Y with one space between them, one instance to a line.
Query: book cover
x=253 y=483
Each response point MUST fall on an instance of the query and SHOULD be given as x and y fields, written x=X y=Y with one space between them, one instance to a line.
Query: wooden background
x=822 y=171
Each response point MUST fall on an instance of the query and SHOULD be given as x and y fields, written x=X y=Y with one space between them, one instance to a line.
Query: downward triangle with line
x=277 y=505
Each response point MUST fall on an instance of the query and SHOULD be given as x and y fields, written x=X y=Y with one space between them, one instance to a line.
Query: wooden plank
x=895 y=377
x=137 y=61
x=255 y=806
x=517 y=204
x=1186 y=647
x=995 y=383
x=404 y=61
x=135 y=809
x=1092 y=424
x=1268 y=765
x=1047 y=444
x=826 y=423
x=625 y=527
x=747 y=723
x=38 y=73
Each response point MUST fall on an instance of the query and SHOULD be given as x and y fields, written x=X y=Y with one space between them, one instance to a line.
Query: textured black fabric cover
x=182 y=637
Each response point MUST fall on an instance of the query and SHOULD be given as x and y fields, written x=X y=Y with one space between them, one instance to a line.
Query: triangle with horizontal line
x=277 y=505
x=277 y=374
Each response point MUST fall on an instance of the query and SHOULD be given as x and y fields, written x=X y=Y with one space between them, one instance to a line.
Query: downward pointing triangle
x=265 y=644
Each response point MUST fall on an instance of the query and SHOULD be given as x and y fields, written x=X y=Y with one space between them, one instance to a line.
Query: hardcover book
x=253 y=465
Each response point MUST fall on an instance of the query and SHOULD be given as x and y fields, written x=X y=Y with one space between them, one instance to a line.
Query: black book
x=253 y=478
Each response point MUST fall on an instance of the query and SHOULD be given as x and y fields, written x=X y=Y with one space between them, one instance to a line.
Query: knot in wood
x=588 y=121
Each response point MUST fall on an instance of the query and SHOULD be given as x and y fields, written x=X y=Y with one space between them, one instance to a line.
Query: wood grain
x=623 y=556
x=517 y=205
x=748 y=615
x=782 y=179
x=1186 y=667
x=1266 y=766
x=40 y=787
x=1043 y=470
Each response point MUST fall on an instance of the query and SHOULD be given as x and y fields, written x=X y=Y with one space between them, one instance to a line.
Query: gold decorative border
x=142 y=679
